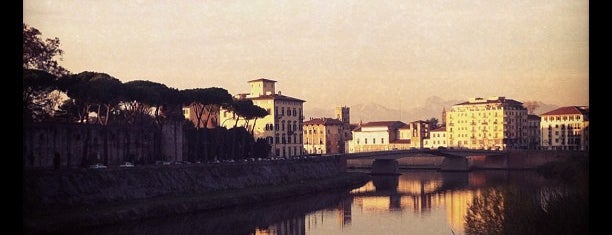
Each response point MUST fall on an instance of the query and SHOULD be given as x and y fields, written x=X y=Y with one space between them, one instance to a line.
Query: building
x=533 y=131
x=378 y=136
x=416 y=132
x=283 y=127
x=323 y=136
x=328 y=135
x=190 y=112
x=437 y=138
x=343 y=114
x=493 y=123
x=565 y=128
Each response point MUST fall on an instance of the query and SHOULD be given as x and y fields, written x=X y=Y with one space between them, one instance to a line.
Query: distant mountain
x=431 y=107
x=543 y=108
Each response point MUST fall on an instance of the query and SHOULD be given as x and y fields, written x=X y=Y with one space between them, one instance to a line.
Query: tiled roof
x=276 y=97
x=439 y=129
x=261 y=79
x=504 y=101
x=323 y=121
x=533 y=117
x=568 y=110
x=390 y=124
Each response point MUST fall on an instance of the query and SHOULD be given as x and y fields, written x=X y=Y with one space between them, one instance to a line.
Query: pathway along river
x=414 y=202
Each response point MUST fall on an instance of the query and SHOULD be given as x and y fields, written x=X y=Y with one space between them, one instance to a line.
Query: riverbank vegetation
x=563 y=209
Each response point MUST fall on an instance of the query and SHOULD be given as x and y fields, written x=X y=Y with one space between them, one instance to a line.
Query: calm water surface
x=415 y=202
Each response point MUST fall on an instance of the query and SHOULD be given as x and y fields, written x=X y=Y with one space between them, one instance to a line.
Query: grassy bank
x=110 y=213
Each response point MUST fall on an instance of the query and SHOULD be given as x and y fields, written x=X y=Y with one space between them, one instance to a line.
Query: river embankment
x=507 y=160
x=60 y=199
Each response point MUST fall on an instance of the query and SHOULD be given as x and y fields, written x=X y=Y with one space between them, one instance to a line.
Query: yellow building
x=283 y=127
x=565 y=128
x=323 y=136
x=493 y=123
x=437 y=138
x=378 y=136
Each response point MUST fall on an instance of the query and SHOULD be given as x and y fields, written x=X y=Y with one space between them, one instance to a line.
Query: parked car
x=127 y=164
x=97 y=166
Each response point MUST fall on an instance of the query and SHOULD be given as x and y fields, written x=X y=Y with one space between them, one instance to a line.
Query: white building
x=437 y=138
x=378 y=136
x=283 y=127
x=565 y=128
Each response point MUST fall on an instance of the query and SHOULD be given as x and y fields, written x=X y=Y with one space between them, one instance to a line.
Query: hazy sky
x=333 y=53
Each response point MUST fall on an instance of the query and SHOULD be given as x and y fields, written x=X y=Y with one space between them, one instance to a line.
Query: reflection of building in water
x=421 y=193
x=295 y=226
x=344 y=211
x=457 y=204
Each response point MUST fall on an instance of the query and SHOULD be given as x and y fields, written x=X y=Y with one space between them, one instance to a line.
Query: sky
x=396 y=53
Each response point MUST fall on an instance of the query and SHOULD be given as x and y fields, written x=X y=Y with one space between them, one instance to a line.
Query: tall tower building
x=443 y=123
x=343 y=114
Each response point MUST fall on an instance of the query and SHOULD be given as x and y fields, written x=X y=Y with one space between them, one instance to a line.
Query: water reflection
x=415 y=202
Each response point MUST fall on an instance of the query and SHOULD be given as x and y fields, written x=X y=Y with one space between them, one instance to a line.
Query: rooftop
x=568 y=110
x=390 y=124
x=491 y=100
x=262 y=80
x=439 y=129
x=276 y=97
x=323 y=121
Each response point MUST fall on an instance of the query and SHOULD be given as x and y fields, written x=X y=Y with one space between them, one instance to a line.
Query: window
x=294 y=112
x=366 y=140
x=282 y=111
x=282 y=125
x=373 y=140
x=382 y=140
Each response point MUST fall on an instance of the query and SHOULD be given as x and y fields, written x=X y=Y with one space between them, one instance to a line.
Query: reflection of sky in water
x=422 y=202
x=416 y=202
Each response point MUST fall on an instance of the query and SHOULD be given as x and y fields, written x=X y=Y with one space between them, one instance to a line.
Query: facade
x=190 y=113
x=565 y=128
x=323 y=136
x=343 y=114
x=437 y=139
x=533 y=132
x=282 y=128
x=378 y=136
x=416 y=132
x=493 y=123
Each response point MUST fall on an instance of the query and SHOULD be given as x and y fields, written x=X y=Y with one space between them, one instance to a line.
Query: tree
x=433 y=123
x=205 y=101
x=38 y=104
x=99 y=91
x=140 y=96
x=40 y=54
x=531 y=106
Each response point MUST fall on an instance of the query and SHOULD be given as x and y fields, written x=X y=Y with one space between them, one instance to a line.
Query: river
x=414 y=202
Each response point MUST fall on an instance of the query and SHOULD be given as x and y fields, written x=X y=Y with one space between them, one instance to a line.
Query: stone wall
x=80 y=145
x=55 y=189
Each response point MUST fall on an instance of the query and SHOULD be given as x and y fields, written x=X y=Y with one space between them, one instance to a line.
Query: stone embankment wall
x=519 y=159
x=522 y=159
x=55 y=189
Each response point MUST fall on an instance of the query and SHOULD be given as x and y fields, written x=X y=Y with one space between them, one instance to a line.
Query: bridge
x=385 y=162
